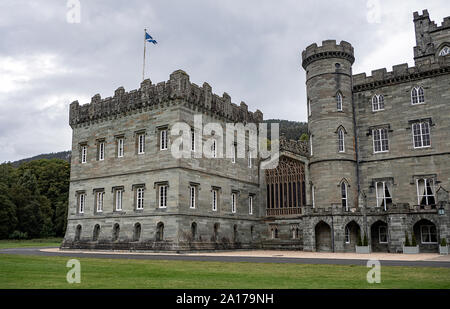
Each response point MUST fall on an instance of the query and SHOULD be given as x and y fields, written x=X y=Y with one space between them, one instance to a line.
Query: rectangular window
x=193 y=197
x=214 y=149
x=380 y=140
x=382 y=235
x=101 y=151
x=163 y=139
x=99 y=200
x=118 y=201
x=84 y=154
x=192 y=140
x=140 y=198
x=428 y=234
x=383 y=194
x=249 y=159
x=233 y=158
x=250 y=205
x=233 y=202
x=215 y=195
x=163 y=196
x=141 y=143
x=421 y=134
x=120 y=147
x=425 y=191
x=312 y=196
x=81 y=202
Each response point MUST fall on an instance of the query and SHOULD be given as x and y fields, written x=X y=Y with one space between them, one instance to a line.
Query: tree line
x=34 y=199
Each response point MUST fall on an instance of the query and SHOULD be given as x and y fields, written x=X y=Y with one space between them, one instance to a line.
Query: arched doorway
x=159 y=231
x=352 y=232
x=323 y=237
x=379 y=238
x=426 y=235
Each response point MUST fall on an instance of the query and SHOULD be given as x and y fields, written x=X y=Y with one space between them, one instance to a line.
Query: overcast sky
x=250 y=49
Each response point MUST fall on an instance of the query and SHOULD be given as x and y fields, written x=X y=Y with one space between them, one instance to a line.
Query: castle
x=376 y=165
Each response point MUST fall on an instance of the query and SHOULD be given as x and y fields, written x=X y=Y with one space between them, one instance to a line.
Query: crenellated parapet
x=297 y=147
x=178 y=87
x=400 y=74
x=329 y=49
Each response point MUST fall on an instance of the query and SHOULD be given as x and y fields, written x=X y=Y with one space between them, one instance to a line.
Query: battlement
x=297 y=147
x=329 y=49
x=432 y=26
x=178 y=87
x=400 y=73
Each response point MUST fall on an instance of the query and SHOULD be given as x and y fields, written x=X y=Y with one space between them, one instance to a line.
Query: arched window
x=344 y=197
x=339 y=101
x=116 y=231
x=341 y=145
x=78 y=233
x=444 y=51
x=96 y=232
x=160 y=231
x=417 y=95
x=377 y=102
x=137 y=232
x=347 y=234
x=194 y=230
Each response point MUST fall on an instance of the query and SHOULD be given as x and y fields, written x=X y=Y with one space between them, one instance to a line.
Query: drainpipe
x=358 y=185
x=332 y=232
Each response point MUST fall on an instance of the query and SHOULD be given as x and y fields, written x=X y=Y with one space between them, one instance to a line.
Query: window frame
x=344 y=198
x=377 y=100
x=417 y=95
x=347 y=235
x=163 y=139
x=341 y=140
x=429 y=234
x=250 y=204
x=140 y=143
x=385 y=233
x=339 y=101
x=99 y=200
x=140 y=198
x=233 y=202
x=214 y=199
x=383 y=197
x=192 y=196
x=120 y=147
x=162 y=196
x=81 y=202
x=383 y=147
x=118 y=201
x=421 y=134
x=101 y=150
x=426 y=195
x=83 y=154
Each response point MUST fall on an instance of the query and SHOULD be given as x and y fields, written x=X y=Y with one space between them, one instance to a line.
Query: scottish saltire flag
x=149 y=38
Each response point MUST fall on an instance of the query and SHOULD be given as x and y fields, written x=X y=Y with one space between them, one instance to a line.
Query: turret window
x=344 y=199
x=339 y=101
x=445 y=51
x=377 y=102
x=417 y=95
x=341 y=145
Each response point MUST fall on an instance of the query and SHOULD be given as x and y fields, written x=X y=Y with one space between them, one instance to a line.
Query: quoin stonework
x=377 y=162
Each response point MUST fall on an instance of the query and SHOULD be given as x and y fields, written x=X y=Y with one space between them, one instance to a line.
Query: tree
x=8 y=218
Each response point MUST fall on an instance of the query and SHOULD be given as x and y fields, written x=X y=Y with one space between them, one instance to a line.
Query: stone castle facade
x=377 y=162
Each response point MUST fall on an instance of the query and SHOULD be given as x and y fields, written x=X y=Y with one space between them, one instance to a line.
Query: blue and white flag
x=149 y=38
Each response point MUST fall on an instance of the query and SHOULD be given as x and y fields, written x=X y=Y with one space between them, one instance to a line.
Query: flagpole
x=143 y=64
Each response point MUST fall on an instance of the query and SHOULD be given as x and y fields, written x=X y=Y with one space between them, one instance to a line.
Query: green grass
x=18 y=271
x=39 y=242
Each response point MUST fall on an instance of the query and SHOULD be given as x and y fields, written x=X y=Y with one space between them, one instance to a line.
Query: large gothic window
x=377 y=102
x=286 y=187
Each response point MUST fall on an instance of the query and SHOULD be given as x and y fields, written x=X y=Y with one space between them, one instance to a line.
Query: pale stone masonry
x=377 y=162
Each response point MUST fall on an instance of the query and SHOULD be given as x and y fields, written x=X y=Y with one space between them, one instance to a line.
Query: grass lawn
x=39 y=242
x=18 y=271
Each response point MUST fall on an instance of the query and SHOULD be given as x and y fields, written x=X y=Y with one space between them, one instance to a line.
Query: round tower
x=331 y=123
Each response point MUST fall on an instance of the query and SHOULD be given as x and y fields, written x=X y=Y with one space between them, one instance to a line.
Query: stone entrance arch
x=379 y=238
x=352 y=232
x=323 y=237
